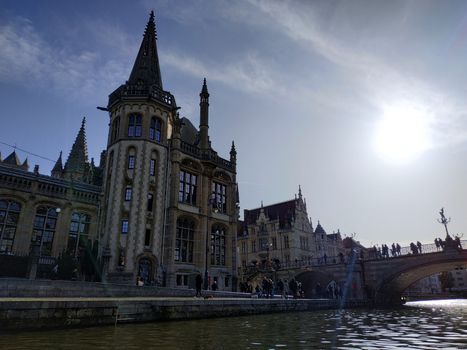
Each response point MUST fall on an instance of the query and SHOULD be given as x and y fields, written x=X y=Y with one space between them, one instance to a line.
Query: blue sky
x=361 y=102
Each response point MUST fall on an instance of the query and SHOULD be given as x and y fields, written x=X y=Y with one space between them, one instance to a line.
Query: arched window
x=43 y=232
x=79 y=232
x=184 y=240
x=218 y=233
x=9 y=215
x=134 y=125
x=155 y=132
x=115 y=129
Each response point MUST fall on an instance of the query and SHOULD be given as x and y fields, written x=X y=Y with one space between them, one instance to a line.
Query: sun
x=402 y=134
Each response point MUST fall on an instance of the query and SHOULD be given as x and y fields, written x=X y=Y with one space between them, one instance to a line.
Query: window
x=219 y=196
x=147 y=238
x=155 y=129
x=152 y=167
x=79 y=232
x=286 y=242
x=187 y=188
x=184 y=240
x=128 y=193
x=226 y=282
x=115 y=129
x=43 y=232
x=9 y=215
x=182 y=280
x=253 y=246
x=244 y=247
x=125 y=226
x=218 y=245
x=150 y=201
x=134 y=125
x=131 y=162
x=263 y=244
x=274 y=243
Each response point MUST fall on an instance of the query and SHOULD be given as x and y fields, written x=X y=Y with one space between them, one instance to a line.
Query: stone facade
x=162 y=204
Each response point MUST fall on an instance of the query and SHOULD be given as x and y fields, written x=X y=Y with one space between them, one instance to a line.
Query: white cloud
x=249 y=74
x=28 y=59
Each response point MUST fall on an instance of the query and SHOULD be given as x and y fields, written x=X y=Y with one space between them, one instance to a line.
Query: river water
x=421 y=325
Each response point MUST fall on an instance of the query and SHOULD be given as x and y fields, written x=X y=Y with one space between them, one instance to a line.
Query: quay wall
x=18 y=314
x=24 y=288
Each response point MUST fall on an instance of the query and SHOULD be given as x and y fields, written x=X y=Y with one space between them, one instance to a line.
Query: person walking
x=199 y=283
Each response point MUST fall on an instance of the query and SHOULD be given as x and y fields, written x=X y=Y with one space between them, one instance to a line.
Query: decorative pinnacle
x=232 y=149
x=204 y=90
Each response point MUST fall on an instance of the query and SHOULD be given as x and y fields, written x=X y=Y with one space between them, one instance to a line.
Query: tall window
x=218 y=245
x=286 y=242
x=9 y=215
x=150 y=201
x=152 y=167
x=219 y=196
x=155 y=129
x=128 y=193
x=253 y=246
x=187 y=188
x=115 y=129
x=43 y=232
x=125 y=226
x=131 y=162
x=79 y=232
x=134 y=125
x=184 y=240
x=147 y=238
x=274 y=243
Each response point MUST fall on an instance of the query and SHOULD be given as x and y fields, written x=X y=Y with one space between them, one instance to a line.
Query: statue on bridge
x=449 y=242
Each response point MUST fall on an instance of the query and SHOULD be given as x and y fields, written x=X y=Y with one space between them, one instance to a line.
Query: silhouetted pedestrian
x=199 y=283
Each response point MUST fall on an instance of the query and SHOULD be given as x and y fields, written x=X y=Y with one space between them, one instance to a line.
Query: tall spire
x=146 y=70
x=75 y=165
x=204 y=116
x=299 y=192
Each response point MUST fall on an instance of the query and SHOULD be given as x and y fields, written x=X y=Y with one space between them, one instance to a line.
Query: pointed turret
x=233 y=153
x=12 y=160
x=204 y=116
x=25 y=165
x=77 y=161
x=299 y=192
x=146 y=70
x=57 y=170
x=320 y=229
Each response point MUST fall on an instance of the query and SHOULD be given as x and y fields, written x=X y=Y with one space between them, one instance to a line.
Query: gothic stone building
x=162 y=203
x=283 y=234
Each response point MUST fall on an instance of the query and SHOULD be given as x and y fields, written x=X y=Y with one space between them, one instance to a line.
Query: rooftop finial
x=204 y=90
x=83 y=122
x=299 y=192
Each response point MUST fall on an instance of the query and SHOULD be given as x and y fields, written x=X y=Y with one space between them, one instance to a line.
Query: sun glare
x=402 y=134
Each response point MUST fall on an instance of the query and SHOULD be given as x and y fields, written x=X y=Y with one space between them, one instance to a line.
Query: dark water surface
x=421 y=325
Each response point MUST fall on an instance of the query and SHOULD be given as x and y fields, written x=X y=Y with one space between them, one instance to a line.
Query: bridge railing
x=270 y=266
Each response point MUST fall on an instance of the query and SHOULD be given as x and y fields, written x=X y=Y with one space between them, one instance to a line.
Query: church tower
x=142 y=116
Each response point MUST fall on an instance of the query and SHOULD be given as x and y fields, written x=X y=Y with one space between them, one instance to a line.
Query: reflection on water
x=420 y=325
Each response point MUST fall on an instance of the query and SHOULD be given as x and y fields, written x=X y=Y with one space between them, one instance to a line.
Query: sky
x=362 y=103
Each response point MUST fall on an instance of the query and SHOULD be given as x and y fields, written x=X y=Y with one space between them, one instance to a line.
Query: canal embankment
x=58 y=304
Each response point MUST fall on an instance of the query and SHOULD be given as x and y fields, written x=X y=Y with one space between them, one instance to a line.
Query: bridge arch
x=403 y=273
x=310 y=279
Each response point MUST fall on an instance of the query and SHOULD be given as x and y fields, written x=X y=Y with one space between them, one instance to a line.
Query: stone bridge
x=382 y=280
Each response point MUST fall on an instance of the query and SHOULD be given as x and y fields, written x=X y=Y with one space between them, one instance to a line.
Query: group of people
x=416 y=248
x=267 y=288
x=449 y=241
x=384 y=251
